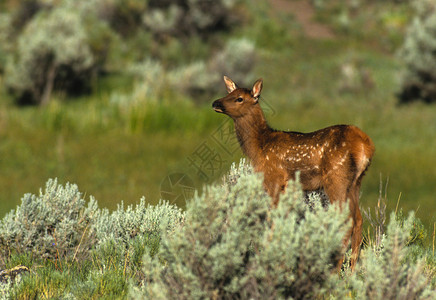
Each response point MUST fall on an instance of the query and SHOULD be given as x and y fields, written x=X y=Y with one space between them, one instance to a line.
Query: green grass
x=91 y=278
x=111 y=157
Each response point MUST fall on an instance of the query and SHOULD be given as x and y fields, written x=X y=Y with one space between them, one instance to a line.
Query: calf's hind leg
x=356 y=234
x=336 y=190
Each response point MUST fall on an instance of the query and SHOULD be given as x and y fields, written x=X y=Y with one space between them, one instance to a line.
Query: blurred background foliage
x=114 y=95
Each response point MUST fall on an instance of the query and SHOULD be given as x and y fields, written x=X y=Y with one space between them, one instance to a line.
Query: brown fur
x=334 y=158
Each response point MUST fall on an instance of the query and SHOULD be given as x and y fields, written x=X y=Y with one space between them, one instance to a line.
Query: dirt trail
x=304 y=13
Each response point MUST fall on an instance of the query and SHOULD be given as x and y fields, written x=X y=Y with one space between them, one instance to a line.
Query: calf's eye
x=239 y=100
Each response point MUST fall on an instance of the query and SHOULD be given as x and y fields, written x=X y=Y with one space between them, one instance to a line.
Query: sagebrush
x=229 y=243
x=57 y=222
x=419 y=55
x=233 y=245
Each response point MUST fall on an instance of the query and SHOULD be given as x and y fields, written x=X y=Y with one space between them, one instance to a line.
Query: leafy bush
x=64 y=45
x=125 y=224
x=55 y=224
x=134 y=232
x=58 y=223
x=52 y=52
x=228 y=244
x=233 y=246
x=237 y=171
x=386 y=273
x=419 y=55
x=61 y=45
x=69 y=239
x=5 y=290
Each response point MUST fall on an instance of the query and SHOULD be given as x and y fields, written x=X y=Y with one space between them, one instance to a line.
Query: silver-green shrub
x=127 y=223
x=143 y=222
x=125 y=235
x=386 y=272
x=228 y=244
x=419 y=55
x=234 y=246
x=55 y=224
x=64 y=45
x=52 y=50
x=237 y=171
x=5 y=290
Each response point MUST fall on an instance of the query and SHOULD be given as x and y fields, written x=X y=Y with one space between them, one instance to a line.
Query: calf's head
x=239 y=101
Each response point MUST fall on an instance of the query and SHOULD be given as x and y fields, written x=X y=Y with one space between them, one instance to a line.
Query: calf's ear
x=230 y=85
x=257 y=89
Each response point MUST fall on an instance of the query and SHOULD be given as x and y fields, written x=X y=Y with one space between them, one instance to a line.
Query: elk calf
x=334 y=158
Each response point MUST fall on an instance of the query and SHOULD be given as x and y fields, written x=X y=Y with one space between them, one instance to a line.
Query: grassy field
x=117 y=155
